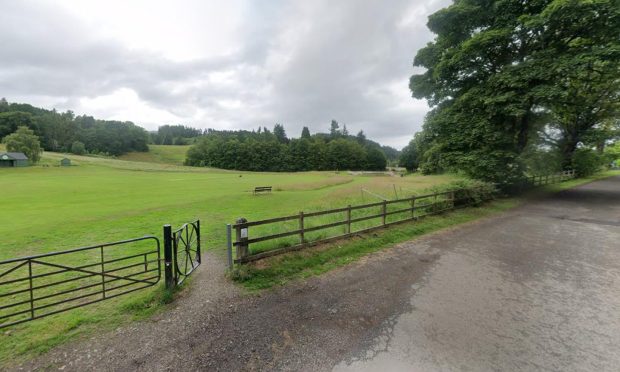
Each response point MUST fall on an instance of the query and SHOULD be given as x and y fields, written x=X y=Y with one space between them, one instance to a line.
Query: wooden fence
x=550 y=178
x=379 y=214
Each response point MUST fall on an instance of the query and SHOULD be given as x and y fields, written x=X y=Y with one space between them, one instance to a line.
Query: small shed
x=13 y=159
x=65 y=162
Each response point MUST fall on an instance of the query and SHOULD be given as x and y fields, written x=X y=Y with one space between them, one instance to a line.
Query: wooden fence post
x=242 y=237
x=349 y=219
x=413 y=207
x=301 y=227
x=384 y=211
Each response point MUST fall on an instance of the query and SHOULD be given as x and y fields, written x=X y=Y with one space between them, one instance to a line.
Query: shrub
x=78 y=148
x=468 y=192
x=587 y=162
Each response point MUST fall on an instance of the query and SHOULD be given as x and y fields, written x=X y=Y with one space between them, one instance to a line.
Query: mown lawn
x=49 y=208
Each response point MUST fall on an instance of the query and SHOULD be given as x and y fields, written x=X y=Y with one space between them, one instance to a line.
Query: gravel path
x=534 y=288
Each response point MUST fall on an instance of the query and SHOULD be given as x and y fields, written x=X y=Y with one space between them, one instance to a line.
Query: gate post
x=168 y=273
x=198 y=253
x=242 y=237
x=229 y=245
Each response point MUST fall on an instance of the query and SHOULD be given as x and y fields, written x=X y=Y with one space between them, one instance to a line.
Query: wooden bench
x=260 y=189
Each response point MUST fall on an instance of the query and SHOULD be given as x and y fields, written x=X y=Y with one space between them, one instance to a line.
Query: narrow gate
x=181 y=252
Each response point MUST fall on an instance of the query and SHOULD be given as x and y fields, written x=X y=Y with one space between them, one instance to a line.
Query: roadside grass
x=51 y=208
x=317 y=260
x=580 y=181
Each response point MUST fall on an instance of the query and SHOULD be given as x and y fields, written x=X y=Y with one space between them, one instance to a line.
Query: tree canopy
x=501 y=74
x=58 y=131
x=24 y=140
x=272 y=151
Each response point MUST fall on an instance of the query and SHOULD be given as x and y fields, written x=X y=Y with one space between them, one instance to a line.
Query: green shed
x=13 y=159
x=65 y=162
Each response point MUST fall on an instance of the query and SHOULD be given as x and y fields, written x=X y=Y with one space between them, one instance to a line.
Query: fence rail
x=542 y=180
x=410 y=209
x=37 y=286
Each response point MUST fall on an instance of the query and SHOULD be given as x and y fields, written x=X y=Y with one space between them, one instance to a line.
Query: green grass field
x=50 y=208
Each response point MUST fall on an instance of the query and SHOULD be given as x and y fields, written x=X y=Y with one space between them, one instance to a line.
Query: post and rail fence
x=416 y=207
x=547 y=179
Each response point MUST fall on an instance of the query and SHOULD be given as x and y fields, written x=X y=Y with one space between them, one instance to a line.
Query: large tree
x=497 y=69
x=24 y=140
x=581 y=57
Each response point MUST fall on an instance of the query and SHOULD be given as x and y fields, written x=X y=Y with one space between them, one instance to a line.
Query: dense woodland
x=265 y=150
x=65 y=132
x=517 y=87
x=174 y=135
x=261 y=150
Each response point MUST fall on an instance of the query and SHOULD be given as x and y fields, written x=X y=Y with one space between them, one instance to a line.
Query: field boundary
x=417 y=207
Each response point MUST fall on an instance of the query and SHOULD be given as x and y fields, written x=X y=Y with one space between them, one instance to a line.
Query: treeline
x=65 y=132
x=264 y=150
x=518 y=87
x=174 y=135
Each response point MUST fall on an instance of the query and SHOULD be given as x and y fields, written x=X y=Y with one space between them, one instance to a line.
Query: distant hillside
x=160 y=154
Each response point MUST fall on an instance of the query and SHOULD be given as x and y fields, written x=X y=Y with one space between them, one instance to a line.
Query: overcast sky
x=233 y=64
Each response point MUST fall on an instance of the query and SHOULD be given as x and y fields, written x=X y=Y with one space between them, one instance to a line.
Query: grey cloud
x=301 y=63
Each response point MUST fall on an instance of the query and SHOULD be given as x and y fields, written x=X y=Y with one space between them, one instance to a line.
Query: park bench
x=260 y=189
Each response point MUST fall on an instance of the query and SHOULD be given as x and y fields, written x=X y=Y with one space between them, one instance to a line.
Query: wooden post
x=242 y=237
x=349 y=219
x=301 y=227
x=452 y=198
x=384 y=211
x=413 y=207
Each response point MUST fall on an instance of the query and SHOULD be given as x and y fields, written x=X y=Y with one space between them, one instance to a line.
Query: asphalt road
x=535 y=288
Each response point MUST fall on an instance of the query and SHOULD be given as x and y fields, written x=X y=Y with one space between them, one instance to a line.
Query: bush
x=468 y=192
x=587 y=162
x=78 y=148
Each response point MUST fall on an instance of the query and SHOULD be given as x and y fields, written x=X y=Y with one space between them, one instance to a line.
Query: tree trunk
x=568 y=149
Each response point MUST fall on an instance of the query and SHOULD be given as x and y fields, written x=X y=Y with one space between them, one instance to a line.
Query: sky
x=235 y=64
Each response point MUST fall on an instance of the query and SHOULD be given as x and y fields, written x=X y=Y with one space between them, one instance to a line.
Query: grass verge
x=314 y=261
x=21 y=342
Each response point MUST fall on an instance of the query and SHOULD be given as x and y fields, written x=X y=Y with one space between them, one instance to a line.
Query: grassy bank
x=314 y=261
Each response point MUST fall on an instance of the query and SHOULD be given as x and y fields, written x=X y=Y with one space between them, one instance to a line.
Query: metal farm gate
x=38 y=286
